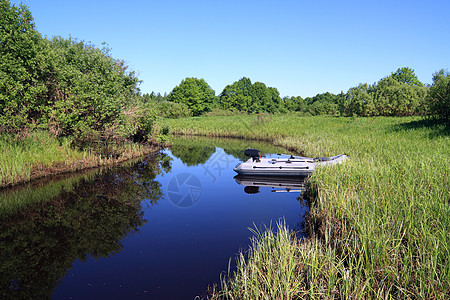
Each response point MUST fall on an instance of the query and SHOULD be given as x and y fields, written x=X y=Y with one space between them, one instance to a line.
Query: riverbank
x=41 y=155
x=378 y=225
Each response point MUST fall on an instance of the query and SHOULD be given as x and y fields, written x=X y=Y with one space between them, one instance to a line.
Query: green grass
x=380 y=223
x=40 y=154
x=18 y=157
x=269 y=269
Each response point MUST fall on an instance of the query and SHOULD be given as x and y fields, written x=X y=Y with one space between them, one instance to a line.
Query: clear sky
x=300 y=47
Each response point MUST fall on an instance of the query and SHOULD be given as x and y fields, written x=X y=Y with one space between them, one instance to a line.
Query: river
x=164 y=227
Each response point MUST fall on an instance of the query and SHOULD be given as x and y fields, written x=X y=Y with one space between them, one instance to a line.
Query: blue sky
x=300 y=47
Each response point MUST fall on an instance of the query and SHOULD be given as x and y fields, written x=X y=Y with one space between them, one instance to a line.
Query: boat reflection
x=278 y=184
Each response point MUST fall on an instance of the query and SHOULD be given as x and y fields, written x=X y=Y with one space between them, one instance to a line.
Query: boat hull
x=286 y=167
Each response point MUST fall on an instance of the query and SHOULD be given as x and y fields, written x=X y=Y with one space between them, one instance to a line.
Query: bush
x=87 y=88
x=21 y=87
x=439 y=96
x=173 y=110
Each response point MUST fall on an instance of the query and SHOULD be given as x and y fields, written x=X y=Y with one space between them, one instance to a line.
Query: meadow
x=379 y=225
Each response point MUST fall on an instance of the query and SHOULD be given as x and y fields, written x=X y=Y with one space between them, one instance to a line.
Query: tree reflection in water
x=197 y=150
x=39 y=243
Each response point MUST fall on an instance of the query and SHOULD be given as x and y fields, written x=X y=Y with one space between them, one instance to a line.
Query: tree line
x=399 y=94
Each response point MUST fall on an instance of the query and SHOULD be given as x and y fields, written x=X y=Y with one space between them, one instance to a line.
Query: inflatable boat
x=283 y=166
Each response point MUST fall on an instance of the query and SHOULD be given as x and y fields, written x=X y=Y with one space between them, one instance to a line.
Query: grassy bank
x=379 y=225
x=39 y=155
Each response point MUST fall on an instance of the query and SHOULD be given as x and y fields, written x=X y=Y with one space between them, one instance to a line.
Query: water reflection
x=197 y=150
x=88 y=219
x=277 y=184
x=164 y=227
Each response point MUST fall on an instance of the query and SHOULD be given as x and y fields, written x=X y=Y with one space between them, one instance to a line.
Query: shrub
x=20 y=85
x=439 y=95
x=173 y=110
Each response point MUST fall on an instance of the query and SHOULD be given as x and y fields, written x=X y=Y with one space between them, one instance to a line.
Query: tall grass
x=19 y=157
x=380 y=223
x=268 y=270
x=40 y=154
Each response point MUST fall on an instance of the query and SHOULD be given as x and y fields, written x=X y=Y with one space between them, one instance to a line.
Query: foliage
x=439 y=96
x=294 y=103
x=358 y=101
x=394 y=98
x=73 y=88
x=21 y=87
x=406 y=75
x=154 y=97
x=400 y=94
x=87 y=88
x=242 y=95
x=237 y=96
x=323 y=104
x=195 y=93
x=168 y=109
x=68 y=87
x=264 y=99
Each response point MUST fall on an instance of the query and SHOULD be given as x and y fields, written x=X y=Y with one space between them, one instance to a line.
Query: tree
x=400 y=94
x=237 y=96
x=195 y=93
x=395 y=98
x=154 y=97
x=406 y=75
x=359 y=101
x=275 y=103
x=232 y=99
x=294 y=103
x=261 y=100
x=439 y=95
x=322 y=104
x=242 y=95
x=20 y=86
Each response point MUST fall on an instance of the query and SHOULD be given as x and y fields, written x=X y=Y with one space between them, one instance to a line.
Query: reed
x=18 y=156
x=269 y=269
x=379 y=225
x=39 y=154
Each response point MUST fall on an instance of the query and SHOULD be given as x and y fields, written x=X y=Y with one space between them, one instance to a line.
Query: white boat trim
x=292 y=166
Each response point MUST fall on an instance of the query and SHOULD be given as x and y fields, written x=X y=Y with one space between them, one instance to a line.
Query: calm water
x=162 y=228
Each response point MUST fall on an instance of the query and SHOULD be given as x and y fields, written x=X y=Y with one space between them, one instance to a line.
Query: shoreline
x=39 y=172
x=370 y=218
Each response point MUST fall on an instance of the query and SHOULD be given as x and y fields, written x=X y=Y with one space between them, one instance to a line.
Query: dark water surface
x=162 y=228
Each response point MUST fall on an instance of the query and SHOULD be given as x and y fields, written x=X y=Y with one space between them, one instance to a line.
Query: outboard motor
x=254 y=154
